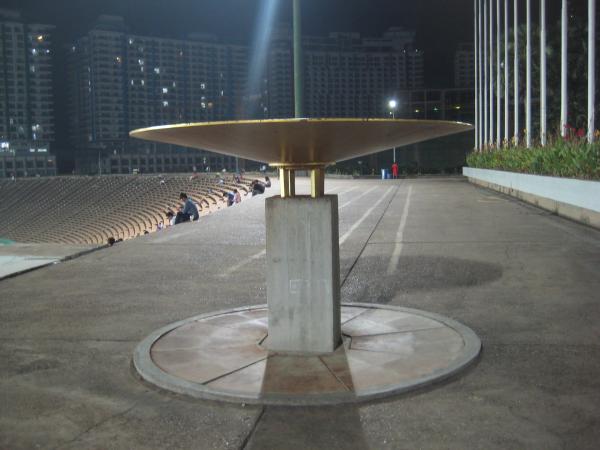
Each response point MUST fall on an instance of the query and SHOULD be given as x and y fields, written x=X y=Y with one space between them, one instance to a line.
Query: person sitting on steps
x=189 y=211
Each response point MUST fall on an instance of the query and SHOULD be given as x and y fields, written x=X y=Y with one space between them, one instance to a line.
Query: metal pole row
x=564 y=99
x=543 y=94
x=488 y=120
x=485 y=77
x=491 y=64
x=498 y=79
x=506 y=70
x=476 y=59
x=591 y=69
x=528 y=77
x=516 y=73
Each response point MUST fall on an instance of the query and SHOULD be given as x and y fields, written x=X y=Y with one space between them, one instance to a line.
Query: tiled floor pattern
x=383 y=348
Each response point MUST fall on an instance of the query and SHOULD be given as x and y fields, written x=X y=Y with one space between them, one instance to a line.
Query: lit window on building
x=165 y=90
x=118 y=60
x=174 y=84
x=34 y=51
x=165 y=103
x=202 y=85
x=40 y=38
x=203 y=105
x=130 y=41
x=157 y=70
x=141 y=62
x=143 y=82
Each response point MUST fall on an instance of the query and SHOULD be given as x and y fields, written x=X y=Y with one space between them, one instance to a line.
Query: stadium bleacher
x=89 y=210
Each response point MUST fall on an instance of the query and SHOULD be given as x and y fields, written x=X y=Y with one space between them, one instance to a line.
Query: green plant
x=560 y=158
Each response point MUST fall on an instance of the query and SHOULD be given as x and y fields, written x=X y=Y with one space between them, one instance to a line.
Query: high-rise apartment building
x=26 y=97
x=121 y=81
x=344 y=75
x=464 y=66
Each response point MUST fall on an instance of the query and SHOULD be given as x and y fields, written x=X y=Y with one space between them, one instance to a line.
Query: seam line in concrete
x=246 y=440
x=235 y=370
x=399 y=332
x=352 y=318
x=339 y=380
x=356 y=224
x=99 y=424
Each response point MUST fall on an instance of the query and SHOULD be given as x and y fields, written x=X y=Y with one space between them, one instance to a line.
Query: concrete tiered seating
x=89 y=210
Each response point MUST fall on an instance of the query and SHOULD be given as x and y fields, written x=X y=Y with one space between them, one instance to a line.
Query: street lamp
x=393 y=104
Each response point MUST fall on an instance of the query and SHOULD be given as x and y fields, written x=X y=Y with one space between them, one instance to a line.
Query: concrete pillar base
x=303 y=274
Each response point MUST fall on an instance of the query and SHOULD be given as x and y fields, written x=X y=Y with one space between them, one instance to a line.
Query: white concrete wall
x=582 y=193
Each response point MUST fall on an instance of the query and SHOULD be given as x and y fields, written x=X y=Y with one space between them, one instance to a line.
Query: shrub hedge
x=561 y=158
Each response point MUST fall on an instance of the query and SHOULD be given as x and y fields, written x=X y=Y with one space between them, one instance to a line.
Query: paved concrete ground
x=526 y=281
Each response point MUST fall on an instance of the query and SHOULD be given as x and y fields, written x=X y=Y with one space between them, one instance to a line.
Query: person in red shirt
x=395 y=170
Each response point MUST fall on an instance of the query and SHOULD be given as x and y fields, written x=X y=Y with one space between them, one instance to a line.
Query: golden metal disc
x=301 y=142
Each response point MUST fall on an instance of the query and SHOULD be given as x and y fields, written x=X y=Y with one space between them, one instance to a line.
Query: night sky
x=440 y=24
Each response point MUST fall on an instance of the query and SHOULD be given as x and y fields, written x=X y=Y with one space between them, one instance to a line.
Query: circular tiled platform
x=387 y=350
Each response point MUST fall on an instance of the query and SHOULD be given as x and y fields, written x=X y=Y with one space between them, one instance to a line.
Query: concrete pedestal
x=303 y=274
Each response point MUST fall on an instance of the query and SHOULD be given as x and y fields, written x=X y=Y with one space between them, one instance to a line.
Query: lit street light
x=393 y=104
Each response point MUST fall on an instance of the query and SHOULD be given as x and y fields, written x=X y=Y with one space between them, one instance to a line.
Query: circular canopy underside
x=301 y=141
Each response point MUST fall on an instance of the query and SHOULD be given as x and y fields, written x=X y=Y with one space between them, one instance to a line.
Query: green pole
x=298 y=66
